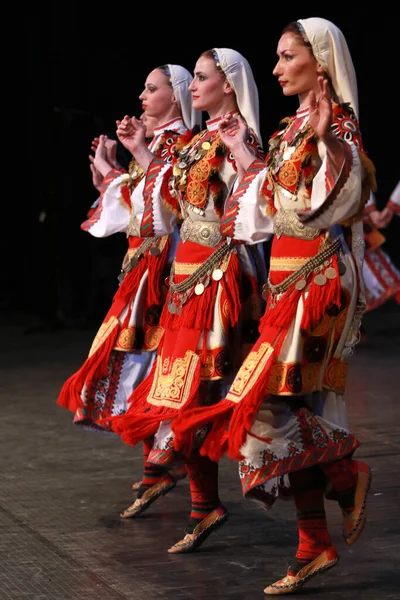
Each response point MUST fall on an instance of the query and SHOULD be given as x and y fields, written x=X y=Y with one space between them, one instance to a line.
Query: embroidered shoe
x=354 y=522
x=191 y=541
x=292 y=583
x=136 y=485
x=141 y=504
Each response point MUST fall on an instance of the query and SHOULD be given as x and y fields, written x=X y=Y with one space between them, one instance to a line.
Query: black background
x=84 y=67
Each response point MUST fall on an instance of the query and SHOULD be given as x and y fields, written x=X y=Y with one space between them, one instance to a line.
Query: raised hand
x=321 y=114
x=131 y=133
x=97 y=177
x=233 y=131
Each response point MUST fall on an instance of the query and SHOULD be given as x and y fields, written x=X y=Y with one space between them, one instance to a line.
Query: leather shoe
x=292 y=583
x=191 y=541
x=161 y=488
x=354 y=522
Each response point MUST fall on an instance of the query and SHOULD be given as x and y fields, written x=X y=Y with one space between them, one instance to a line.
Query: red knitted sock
x=151 y=473
x=314 y=536
x=203 y=480
x=342 y=474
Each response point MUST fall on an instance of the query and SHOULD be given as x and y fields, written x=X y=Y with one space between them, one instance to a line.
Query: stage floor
x=62 y=489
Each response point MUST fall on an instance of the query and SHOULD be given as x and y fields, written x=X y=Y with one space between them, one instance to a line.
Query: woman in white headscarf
x=211 y=314
x=284 y=417
x=125 y=346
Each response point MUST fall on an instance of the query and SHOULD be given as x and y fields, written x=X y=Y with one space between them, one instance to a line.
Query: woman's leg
x=315 y=552
x=207 y=513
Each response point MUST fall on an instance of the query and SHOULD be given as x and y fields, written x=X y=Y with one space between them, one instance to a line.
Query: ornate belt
x=206 y=233
x=154 y=244
x=287 y=223
x=315 y=265
x=212 y=268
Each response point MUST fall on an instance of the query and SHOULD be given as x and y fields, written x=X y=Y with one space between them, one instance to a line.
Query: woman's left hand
x=321 y=113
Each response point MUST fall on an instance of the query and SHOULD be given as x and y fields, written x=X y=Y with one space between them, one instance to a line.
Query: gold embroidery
x=126 y=339
x=249 y=372
x=172 y=389
x=277 y=378
x=153 y=337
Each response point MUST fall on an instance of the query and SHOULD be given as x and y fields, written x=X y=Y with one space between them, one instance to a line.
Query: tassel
x=319 y=298
x=156 y=266
x=231 y=420
x=232 y=288
x=94 y=367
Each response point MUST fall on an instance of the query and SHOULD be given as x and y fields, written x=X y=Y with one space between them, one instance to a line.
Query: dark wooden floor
x=61 y=491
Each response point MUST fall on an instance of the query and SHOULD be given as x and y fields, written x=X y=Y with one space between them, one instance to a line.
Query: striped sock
x=203 y=480
x=152 y=474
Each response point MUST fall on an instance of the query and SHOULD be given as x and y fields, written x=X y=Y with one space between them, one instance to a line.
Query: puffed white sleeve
x=113 y=210
x=335 y=197
x=245 y=218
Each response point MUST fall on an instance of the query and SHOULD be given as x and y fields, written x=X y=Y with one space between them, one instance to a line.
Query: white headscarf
x=240 y=76
x=180 y=81
x=330 y=48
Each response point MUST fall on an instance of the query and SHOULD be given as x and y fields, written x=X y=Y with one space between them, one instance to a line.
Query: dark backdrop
x=84 y=70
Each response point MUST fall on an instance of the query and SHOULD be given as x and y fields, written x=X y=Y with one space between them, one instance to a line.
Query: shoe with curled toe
x=294 y=581
x=354 y=522
x=141 y=504
x=200 y=533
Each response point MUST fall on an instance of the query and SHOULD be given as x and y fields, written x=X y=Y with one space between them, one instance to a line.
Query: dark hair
x=297 y=30
x=212 y=55
x=165 y=70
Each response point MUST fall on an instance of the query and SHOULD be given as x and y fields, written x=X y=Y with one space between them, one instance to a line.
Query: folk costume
x=285 y=413
x=381 y=276
x=125 y=345
x=210 y=318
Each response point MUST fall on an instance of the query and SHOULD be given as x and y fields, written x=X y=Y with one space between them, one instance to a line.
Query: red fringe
x=230 y=420
x=155 y=266
x=94 y=367
x=319 y=298
x=198 y=312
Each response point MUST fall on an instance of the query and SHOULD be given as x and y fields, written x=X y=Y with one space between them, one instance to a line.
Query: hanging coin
x=206 y=145
x=320 y=279
x=341 y=268
x=265 y=291
x=133 y=262
x=121 y=277
x=172 y=308
x=199 y=289
x=300 y=284
x=206 y=281
x=155 y=251
x=182 y=164
x=217 y=274
x=330 y=273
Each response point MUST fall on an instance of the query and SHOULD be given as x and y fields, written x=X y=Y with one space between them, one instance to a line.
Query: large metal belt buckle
x=287 y=223
x=205 y=233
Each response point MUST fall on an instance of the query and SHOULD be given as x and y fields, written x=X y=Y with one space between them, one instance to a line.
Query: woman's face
x=297 y=69
x=208 y=86
x=158 y=95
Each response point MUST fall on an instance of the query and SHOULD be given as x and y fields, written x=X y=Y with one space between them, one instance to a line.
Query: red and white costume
x=210 y=318
x=381 y=276
x=124 y=348
x=285 y=409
